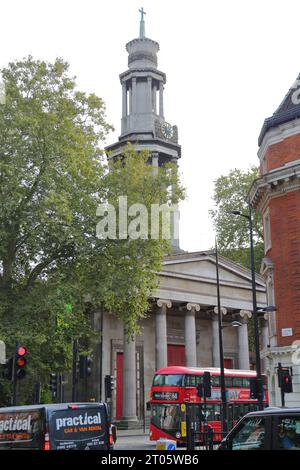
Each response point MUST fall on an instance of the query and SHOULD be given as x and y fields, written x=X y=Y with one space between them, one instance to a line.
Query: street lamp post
x=255 y=317
x=222 y=374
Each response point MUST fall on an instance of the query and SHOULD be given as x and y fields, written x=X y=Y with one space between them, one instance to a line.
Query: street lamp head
x=233 y=323
x=235 y=213
x=268 y=309
x=236 y=324
x=239 y=213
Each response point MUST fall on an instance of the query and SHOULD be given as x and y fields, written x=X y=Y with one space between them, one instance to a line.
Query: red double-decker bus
x=174 y=394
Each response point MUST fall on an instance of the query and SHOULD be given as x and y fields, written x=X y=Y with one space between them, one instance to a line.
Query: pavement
x=132 y=432
x=134 y=439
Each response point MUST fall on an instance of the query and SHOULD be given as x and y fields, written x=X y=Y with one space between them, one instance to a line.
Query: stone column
x=243 y=342
x=129 y=381
x=149 y=92
x=190 y=335
x=161 y=333
x=124 y=100
x=133 y=99
x=215 y=342
x=154 y=92
x=130 y=100
x=161 y=100
x=155 y=163
x=215 y=336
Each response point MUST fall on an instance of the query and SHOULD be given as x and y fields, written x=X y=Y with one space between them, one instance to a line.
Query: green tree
x=127 y=269
x=52 y=179
x=230 y=194
x=50 y=174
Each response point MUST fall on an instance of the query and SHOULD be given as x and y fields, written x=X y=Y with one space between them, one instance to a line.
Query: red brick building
x=276 y=195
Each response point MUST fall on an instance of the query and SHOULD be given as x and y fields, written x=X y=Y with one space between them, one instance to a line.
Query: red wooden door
x=119 y=386
x=228 y=363
x=176 y=355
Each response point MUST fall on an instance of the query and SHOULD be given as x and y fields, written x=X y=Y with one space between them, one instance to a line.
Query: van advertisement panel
x=19 y=426
x=83 y=428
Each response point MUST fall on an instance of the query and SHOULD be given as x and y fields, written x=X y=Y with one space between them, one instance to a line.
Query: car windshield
x=249 y=435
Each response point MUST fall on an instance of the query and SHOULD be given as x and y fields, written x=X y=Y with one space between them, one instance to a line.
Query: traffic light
x=8 y=369
x=206 y=384
x=256 y=388
x=286 y=381
x=21 y=361
x=54 y=384
x=109 y=385
x=85 y=366
x=199 y=390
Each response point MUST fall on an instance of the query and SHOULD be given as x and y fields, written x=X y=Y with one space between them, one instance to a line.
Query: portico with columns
x=182 y=325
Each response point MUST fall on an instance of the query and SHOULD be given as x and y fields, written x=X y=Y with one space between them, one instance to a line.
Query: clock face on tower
x=167 y=130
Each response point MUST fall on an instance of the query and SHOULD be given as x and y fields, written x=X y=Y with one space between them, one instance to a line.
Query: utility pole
x=14 y=376
x=74 y=370
x=222 y=372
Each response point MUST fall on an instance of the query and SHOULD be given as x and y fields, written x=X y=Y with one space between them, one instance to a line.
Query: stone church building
x=182 y=326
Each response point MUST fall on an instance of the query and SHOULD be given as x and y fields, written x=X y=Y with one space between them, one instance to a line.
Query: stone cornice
x=139 y=143
x=141 y=72
x=211 y=280
x=177 y=295
x=273 y=184
x=278 y=134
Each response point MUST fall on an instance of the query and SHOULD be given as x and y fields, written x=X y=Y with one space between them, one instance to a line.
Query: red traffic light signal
x=21 y=362
x=21 y=351
x=287 y=383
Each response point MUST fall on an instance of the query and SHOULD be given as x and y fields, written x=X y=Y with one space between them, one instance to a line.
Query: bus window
x=237 y=382
x=190 y=380
x=166 y=417
x=170 y=380
x=246 y=382
x=215 y=381
x=217 y=416
x=228 y=381
x=193 y=380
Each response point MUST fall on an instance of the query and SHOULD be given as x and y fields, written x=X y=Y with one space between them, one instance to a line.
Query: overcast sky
x=228 y=65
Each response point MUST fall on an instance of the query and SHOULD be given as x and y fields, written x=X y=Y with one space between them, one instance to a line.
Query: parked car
x=61 y=426
x=270 y=429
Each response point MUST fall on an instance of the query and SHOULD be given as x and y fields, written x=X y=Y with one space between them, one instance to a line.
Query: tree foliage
x=230 y=194
x=52 y=179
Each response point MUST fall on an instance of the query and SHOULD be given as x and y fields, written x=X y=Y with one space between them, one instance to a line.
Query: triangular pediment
x=203 y=266
x=191 y=277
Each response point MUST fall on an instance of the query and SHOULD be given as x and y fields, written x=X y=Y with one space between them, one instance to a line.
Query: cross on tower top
x=142 y=12
x=142 y=23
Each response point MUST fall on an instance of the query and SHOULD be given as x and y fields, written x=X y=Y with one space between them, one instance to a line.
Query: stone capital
x=245 y=314
x=190 y=306
x=223 y=310
x=162 y=302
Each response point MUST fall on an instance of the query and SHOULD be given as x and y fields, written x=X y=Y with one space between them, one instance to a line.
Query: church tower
x=276 y=195
x=143 y=123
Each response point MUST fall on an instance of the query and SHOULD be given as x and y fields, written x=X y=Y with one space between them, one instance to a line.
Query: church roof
x=288 y=110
